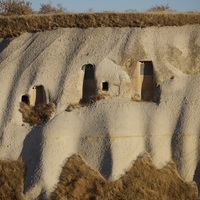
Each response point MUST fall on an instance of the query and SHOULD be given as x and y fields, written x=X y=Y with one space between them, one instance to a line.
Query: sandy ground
x=110 y=133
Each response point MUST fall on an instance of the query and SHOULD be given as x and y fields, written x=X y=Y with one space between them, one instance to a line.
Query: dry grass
x=86 y=102
x=16 y=25
x=78 y=181
x=142 y=182
x=36 y=115
x=11 y=180
x=71 y=107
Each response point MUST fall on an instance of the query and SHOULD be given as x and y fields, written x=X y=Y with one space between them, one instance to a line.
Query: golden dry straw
x=15 y=25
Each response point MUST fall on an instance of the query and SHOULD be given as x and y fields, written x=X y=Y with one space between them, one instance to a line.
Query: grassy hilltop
x=15 y=25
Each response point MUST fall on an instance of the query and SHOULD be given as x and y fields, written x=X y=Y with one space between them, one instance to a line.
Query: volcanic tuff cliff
x=112 y=132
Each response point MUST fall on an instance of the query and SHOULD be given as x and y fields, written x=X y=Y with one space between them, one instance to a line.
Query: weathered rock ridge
x=112 y=132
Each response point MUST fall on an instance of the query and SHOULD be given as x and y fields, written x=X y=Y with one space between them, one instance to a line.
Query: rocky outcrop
x=113 y=129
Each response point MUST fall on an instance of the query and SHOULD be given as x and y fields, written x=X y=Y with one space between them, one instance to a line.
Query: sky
x=119 y=5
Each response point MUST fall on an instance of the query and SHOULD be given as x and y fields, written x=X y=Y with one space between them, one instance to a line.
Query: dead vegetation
x=11 y=26
x=11 y=180
x=49 y=9
x=36 y=115
x=15 y=7
x=86 y=102
x=21 y=7
x=161 y=8
x=142 y=182
x=78 y=181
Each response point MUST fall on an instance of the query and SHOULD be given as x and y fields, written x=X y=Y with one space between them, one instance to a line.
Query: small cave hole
x=105 y=86
x=25 y=99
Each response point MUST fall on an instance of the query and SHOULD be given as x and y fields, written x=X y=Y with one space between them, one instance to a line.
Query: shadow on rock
x=31 y=155
x=4 y=43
